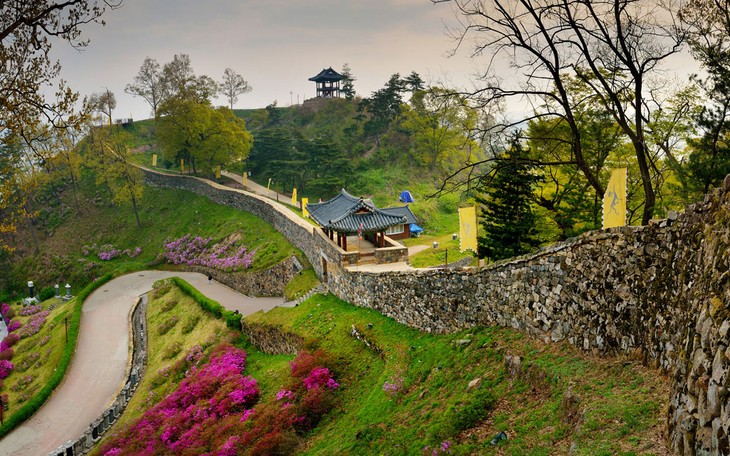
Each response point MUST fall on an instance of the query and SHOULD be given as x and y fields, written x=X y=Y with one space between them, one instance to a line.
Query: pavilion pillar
x=344 y=242
x=382 y=239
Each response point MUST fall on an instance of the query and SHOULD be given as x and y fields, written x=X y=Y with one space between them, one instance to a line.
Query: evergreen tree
x=348 y=80
x=508 y=222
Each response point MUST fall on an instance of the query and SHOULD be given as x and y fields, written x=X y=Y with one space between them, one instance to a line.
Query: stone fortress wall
x=660 y=292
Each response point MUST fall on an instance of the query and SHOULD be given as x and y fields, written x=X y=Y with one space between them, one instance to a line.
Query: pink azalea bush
x=195 y=250
x=9 y=341
x=34 y=325
x=13 y=325
x=108 y=252
x=212 y=411
x=30 y=310
x=187 y=420
x=6 y=367
x=6 y=311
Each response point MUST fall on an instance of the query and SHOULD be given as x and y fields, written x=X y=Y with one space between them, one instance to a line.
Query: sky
x=276 y=45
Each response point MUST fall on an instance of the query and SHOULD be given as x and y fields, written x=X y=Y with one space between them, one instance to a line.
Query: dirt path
x=98 y=367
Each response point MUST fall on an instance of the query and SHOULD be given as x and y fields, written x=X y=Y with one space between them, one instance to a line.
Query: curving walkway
x=98 y=368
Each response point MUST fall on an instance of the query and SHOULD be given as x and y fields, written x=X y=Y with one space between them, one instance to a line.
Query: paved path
x=98 y=367
x=257 y=189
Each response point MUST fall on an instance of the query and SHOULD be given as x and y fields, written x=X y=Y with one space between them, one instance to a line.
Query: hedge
x=35 y=403
x=232 y=319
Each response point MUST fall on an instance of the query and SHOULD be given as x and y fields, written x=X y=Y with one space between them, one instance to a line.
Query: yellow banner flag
x=468 y=228
x=305 y=212
x=614 y=201
x=154 y=159
x=268 y=186
x=245 y=178
x=294 y=197
x=218 y=172
x=182 y=165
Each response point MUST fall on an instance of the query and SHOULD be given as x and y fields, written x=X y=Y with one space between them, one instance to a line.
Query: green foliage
x=232 y=319
x=205 y=137
x=46 y=293
x=508 y=222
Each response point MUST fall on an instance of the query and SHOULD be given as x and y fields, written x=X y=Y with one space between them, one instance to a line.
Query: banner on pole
x=468 y=228
x=245 y=179
x=268 y=185
x=154 y=159
x=294 y=197
x=218 y=172
x=614 y=201
x=182 y=165
x=305 y=212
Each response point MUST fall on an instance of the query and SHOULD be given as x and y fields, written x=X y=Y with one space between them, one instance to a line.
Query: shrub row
x=33 y=404
x=232 y=319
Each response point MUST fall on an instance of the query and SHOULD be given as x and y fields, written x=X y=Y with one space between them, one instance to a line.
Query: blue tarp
x=415 y=229
x=406 y=197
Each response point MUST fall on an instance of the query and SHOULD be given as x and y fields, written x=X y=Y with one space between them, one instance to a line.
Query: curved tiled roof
x=327 y=74
x=346 y=214
x=403 y=211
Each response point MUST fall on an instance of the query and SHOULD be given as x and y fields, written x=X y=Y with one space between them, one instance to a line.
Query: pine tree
x=508 y=222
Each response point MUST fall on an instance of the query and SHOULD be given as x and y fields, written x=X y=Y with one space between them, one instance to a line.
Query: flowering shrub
x=23 y=383
x=167 y=325
x=7 y=354
x=45 y=340
x=13 y=325
x=394 y=384
x=7 y=311
x=320 y=377
x=30 y=310
x=191 y=419
x=9 y=341
x=109 y=252
x=5 y=368
x=444 y=448
x=195 y=251
x=34 y=324
x=28 y=361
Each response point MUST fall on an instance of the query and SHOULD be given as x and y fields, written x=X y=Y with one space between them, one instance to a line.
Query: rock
x=474 y=383
x=462 y=342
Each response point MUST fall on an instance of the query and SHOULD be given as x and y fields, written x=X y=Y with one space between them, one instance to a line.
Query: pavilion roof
x=347 y=214
x=327 y=74
x=403 y=211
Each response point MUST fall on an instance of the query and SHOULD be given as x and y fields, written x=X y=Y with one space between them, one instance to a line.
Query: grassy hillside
x=63 y=246
x=414 y=391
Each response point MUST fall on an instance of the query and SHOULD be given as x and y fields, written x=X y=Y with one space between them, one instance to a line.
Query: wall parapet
x=659 y=291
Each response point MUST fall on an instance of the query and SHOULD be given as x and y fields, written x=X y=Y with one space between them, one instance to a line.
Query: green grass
x=301 y=283
x=621 y=398
x=436 y=257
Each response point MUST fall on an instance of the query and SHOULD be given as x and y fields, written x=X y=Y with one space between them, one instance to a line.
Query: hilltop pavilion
x=328 y=83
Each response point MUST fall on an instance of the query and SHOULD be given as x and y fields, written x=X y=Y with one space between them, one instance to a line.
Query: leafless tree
x=233 y=85
x=148 y=84
x=613 y=46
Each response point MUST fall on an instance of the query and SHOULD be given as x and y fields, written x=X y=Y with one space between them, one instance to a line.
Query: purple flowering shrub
x=9 y=341
x=30 y=310
x=6 y=367
x=108 y=252
x=191 y=251
x=13 y=325
x=34 y=325
x=199 y=416
x=7 y=312
x=212 y=411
